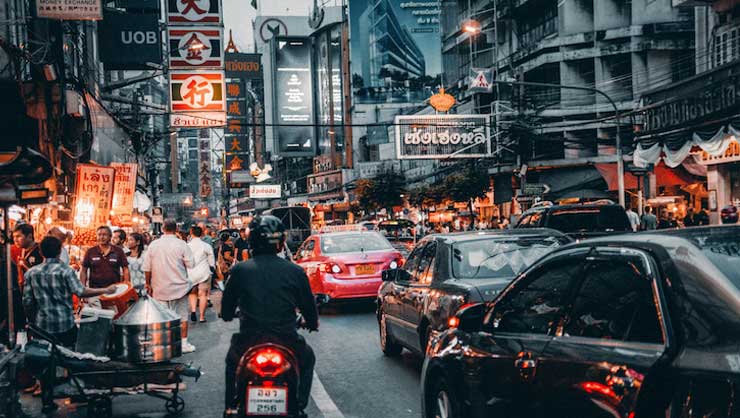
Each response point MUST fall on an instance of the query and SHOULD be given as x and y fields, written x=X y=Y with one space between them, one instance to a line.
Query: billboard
x=294 y=105
x=396 y=50
x=193 y=11
x=195 y=47
x=243 y=66
x=193 y=91
x=93 y=196
x=124 y=188
x=264 y=191
x=129 y=41
x=443 y=136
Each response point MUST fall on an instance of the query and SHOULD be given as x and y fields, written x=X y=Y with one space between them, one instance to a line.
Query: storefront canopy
x=664 y=176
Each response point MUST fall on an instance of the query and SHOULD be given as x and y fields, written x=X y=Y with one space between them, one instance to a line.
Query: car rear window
x=500 y=257
x=601 y=219
x=353 y=243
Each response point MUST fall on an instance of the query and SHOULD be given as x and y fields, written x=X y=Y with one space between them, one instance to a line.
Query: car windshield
x=352 y=243
x=499 y=257
x=588 y=219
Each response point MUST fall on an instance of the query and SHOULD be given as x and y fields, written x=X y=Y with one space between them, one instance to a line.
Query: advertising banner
x=396 y=50
x=235 y=89
x=69 y=9
x=204 y=168
x=294 y=101
x=442 y=136
x=237 y=144
x=264 y=191
x=243 y=66
x=198 y=120
x=93 y=196
x=192 y=91
x=194 y=11
x=129 y=41
x=236 y=162
x=325 y=186
x=195 y=47
x=125 y=186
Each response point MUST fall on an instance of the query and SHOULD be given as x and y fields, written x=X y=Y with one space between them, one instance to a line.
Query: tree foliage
x=473 y=182
x=382 y=191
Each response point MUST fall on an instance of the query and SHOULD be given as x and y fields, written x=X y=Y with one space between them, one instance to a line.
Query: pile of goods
x=84 y=237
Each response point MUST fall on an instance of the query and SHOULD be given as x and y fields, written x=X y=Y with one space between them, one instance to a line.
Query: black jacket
x=268 y=289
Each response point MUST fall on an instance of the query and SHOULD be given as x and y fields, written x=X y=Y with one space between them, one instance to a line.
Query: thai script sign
x=731 y=155
x=443 y=136
x=125 y=186
x=264 y=191
x=93 y=195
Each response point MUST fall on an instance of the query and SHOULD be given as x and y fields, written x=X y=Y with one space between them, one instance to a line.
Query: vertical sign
x=294 y=102
x=204 y=166
x=236 y=135
x=123 y=192
x=195 y=39
x=93 y=196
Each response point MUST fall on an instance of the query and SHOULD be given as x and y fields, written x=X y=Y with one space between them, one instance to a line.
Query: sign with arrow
x=534 y=189
x=480 y=81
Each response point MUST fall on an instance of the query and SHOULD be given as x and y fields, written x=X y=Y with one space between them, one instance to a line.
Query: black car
x=637 y=325
x=400 y=233
x=579 y=221
x=445 y=272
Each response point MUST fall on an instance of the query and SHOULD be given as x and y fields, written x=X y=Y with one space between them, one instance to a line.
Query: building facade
x=618 y=47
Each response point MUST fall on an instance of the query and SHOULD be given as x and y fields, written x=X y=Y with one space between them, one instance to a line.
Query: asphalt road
x=354 y=380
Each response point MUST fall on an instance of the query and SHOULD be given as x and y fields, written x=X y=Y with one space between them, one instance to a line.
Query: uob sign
x=129 y=42
x=129 y=37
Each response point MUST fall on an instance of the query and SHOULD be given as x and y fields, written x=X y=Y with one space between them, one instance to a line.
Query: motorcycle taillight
x=268 y=362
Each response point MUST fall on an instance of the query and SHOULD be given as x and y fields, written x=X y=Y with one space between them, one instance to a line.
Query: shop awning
x=665 y=177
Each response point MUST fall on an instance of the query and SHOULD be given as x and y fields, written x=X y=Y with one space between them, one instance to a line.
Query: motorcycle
x=268 y=376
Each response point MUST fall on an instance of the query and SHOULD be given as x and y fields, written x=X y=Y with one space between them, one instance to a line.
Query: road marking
x=323 y=401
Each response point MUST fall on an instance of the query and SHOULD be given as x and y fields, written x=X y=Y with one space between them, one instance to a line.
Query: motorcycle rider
x=268 y=290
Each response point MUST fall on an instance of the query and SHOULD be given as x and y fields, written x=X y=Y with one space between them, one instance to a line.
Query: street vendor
x=104 y=264
x=48 y=290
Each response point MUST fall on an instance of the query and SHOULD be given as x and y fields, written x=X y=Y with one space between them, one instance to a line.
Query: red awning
x=664 y=176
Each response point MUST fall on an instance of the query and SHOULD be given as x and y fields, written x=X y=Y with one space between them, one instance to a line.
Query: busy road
x=353 y=378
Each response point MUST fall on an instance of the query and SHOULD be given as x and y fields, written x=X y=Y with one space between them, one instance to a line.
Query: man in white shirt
x=200 y=275
x=634 y=219
x=165 y=268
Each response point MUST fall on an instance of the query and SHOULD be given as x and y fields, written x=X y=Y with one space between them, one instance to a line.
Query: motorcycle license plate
x=365 y=269
x=267 y=401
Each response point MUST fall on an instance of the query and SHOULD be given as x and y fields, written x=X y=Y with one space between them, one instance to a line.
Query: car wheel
x=443 y=404
x=390 y=348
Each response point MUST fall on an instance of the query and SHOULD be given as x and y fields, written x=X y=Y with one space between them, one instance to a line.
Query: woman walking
x=135 y=244
x=200 y=275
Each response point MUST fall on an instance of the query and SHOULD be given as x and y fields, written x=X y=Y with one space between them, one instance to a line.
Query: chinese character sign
x=93 y=196
x=193 y=11
x=204 y=168
x=195 y=47
x=125 y=186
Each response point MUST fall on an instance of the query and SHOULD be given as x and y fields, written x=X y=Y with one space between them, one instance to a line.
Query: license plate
x=365 y=269
x=267 y=401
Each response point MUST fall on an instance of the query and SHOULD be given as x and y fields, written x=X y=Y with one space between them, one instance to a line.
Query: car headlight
x=393 y=265
x=336 y=269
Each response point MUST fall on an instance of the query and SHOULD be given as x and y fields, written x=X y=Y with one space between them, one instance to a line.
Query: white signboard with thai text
x=265 y=191
x=442 y=137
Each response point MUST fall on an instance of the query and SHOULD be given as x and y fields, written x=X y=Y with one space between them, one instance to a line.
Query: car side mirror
x=469 y=318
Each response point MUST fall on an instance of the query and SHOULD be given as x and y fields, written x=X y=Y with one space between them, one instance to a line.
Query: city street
x=355 y=380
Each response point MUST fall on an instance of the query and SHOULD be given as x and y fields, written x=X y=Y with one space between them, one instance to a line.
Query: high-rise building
x=391 y=49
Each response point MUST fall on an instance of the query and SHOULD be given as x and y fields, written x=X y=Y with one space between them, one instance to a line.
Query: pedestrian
x=135 y=258
x=667 y=221
x=28 y=254
x=200 y=275
x=104 y=264
x=224 y=257
x=165 y=267
x=648 y=221
x=241 y=245
x=206 y=234
x=690 y=218
x=119 y=240
x=57 y=233
x=633 y=218
x=701 y=218
x=19 y=316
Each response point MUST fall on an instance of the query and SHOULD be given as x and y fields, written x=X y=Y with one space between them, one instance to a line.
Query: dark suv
x=579 y=221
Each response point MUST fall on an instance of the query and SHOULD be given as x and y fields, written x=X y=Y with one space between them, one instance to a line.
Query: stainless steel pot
x=148 y=332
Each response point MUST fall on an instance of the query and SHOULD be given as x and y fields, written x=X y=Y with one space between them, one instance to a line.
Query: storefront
x=695 y=124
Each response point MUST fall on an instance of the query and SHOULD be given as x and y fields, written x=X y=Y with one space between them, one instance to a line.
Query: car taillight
x=330 y=268
x=396 y=263
x=268 y=363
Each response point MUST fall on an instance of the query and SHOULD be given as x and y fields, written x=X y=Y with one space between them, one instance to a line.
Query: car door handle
x=526 y=364
x=620 y=380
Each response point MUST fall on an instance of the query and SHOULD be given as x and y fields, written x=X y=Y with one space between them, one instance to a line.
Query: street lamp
x=620 y=157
